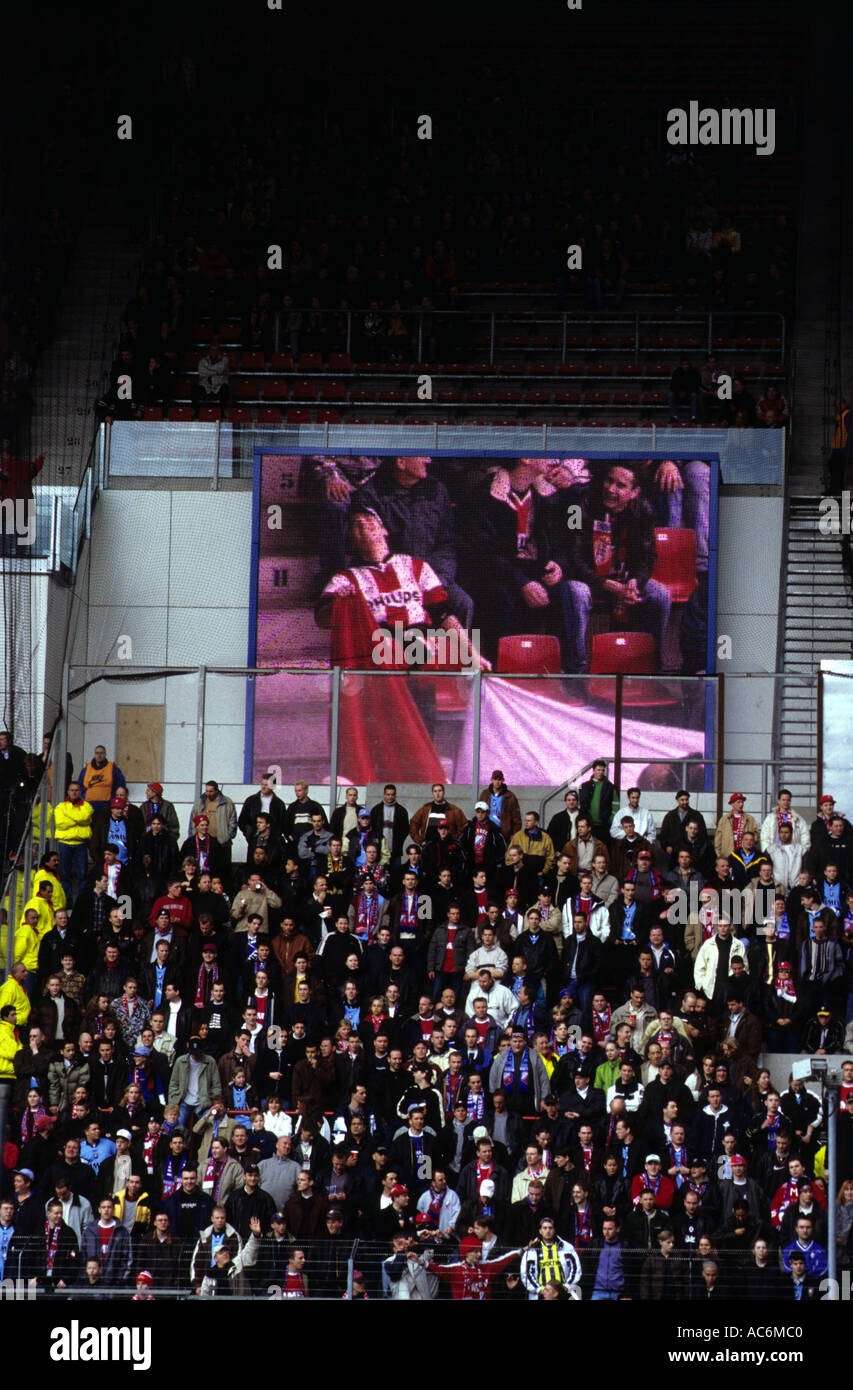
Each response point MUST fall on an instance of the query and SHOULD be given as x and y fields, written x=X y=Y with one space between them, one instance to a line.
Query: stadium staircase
x=817 y=599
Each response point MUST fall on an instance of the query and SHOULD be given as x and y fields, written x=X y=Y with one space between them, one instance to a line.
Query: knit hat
x=468 y=1244
x=155 y=787
x=736 y=796
x=145 y=1277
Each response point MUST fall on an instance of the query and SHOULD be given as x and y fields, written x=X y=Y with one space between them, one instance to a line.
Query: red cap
x=468 y=1244
x=736 y=796
x=826 y=798
x=738 y=1158
x=116 y=802
x=145 y=1277
x=444 y=825
x=398 y=1190
x=201 y=816
x=511 y=890
x=155 y=787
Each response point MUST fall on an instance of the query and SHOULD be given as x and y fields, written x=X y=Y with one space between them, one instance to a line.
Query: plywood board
x=140 y=732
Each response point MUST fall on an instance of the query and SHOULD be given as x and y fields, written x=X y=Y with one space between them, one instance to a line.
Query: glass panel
x=278 y=705
x=415 y=727
x=542 y=730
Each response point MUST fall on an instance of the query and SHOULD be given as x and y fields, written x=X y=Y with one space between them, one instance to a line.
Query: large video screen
x=412 y=572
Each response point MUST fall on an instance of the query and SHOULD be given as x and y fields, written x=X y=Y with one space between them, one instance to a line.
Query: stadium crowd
x=509 y=1060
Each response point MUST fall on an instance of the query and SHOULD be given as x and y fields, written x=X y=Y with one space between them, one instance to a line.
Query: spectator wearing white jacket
x=783 y=815
x=786 y=858
x=708 y=957
x=404 y=1277
x=644 y=821
x=551 y=1259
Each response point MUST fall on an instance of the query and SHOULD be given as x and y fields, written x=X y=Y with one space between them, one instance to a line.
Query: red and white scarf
x=601 y=1023
x=367 y=916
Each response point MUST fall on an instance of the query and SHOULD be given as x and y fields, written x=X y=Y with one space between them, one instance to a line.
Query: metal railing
x=423 y=329
x=367 y=1261
x=219 y=452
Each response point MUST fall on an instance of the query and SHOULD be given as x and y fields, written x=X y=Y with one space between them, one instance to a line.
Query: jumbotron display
x=404 y=568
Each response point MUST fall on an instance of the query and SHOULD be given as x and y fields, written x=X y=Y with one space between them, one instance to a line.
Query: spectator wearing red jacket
x=178 y=907
x=653 y=1180
x=471 y=1278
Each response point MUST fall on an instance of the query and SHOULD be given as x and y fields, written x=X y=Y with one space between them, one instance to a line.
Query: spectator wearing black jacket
x=388 y=813
x=248 y=1202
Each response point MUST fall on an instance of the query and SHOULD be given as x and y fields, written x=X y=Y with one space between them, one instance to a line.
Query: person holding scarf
x=652 y=1179
x=784 y=815
x=372 y=868
x=520 y=1072
x=35 y=1110
x=170 y=1170
x=367 y=914
x=410 y=918
x=728 y=837
x=338 y=870
x=203 y=848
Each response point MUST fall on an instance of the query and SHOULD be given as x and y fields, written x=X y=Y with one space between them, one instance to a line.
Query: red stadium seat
x=529 y=655
x=275 y=389
x=246 y=388
x=631 y=653
x=252 y=362
x=282 y=362
x=311 y=362
x=327 y=415
x=340 y=362
x=298 y=417
x=269 y=415
x=180 y=412
x=333 y=391
x=675 y=562
x=240 y=415
x=152 y=412
x=304 y=389
x=209 y=413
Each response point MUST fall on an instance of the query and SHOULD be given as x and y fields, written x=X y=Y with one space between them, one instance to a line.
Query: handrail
x=556 y=318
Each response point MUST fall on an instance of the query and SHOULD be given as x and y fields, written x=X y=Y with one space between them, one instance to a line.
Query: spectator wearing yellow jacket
x=26 y=943
x=72 y=828
x=536 y=846
x=9 y=1044
x=41 y=903
x=12 y=992
x=48 y=872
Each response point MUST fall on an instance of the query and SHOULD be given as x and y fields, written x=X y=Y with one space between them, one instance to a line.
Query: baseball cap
x=444 y=825
x=653 y=1158
x=738 y=1158
x=480 y=1133
x=398 y=1190
x=481 y=806
x=252 y=1168
x=123 y=1134
x=26 y=1173
x=279 y=1218
x=116 y=802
